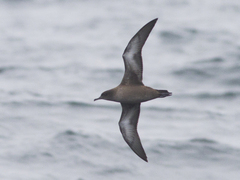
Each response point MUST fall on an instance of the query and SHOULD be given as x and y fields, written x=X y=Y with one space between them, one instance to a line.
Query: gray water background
x=57 y=56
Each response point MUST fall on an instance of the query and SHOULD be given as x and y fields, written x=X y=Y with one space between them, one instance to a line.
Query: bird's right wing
x=128 y=127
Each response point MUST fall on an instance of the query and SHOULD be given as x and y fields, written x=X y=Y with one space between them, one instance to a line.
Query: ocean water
x=57 y=56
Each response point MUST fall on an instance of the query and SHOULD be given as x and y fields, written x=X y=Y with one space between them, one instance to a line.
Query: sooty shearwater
x=131 y=92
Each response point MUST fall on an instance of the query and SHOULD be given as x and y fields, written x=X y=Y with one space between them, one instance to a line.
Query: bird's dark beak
x=97 y=99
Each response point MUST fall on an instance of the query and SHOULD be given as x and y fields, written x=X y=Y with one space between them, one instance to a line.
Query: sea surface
x=56 y=56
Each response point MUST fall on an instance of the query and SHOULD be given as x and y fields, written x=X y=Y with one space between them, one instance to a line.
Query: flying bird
x=131 y=92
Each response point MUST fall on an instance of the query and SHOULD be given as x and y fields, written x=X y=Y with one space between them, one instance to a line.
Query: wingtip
x=142 y=156
x=152 y=23
x=154 y=20
x=145 y=159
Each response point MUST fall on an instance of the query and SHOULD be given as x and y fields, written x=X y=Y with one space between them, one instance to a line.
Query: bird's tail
x=164 y=93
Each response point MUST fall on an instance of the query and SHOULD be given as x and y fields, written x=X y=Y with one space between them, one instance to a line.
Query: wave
x=224 y=95
x=78 y=104
x=204 y=69
x=215 y=70
x=213 y=60
x=213 y=95
x=47 y=103
x=197 y=148
x=66 y=144
x=203 y=140
x=82 y=144
x=111 y=74
x=25 y=69
x=6 y=68
x=163 y=109
x=178 y=36
x=192 y=73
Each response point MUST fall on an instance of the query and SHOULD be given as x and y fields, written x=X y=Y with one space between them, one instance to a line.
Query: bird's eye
x=104 y=93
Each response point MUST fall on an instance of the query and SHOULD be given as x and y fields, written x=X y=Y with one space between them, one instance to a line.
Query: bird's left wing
x=132 y=55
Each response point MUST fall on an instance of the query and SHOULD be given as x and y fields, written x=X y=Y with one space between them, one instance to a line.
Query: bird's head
x=107 y=95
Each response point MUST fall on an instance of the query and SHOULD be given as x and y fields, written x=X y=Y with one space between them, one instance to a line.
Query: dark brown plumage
x=131 y=92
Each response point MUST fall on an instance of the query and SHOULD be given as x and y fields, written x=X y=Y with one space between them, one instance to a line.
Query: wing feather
x=132 y=55
x=128 y=127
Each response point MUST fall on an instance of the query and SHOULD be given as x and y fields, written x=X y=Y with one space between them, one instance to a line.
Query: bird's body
x=132 y=92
